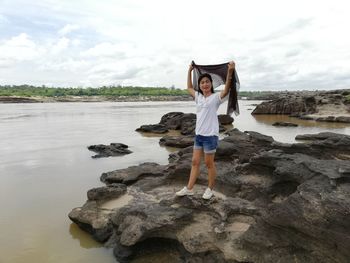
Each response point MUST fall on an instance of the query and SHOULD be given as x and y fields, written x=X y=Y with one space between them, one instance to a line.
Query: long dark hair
x=205 y=75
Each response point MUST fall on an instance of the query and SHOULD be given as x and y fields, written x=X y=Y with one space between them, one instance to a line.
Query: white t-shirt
x=207 y=123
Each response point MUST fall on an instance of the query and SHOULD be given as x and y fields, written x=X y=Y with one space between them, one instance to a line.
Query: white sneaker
x=207 y=194
x=184 y=191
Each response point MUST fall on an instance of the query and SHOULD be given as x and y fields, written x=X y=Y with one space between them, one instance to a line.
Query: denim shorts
x=207 y=143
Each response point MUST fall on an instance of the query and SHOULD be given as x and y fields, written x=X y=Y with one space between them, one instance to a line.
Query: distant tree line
x=347 y=98
x=43 y=91
x=110 y=91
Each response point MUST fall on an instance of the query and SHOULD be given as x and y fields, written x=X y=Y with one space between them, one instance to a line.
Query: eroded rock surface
x=326 y=106
x=274 y=202
x=114 y=149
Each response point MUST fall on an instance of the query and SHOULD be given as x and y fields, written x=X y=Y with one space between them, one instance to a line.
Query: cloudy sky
x=277 y=45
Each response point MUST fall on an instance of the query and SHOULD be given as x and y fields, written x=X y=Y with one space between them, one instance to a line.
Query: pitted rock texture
x=274 y=202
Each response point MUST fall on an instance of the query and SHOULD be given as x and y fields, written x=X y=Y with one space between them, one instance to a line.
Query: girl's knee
x=209 y=164
x=196 y=162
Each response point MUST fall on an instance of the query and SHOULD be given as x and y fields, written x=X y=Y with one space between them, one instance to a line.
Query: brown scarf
x=219 y=73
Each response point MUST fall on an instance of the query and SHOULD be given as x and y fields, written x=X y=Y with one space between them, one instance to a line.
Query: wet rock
x=306 y=117
x=153 y=128
x=328 y=119
x=114 y=149
x=94 y=220
x=284 y=124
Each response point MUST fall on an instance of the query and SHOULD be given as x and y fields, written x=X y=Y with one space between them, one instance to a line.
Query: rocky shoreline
x=328 y=106
x=274 y=202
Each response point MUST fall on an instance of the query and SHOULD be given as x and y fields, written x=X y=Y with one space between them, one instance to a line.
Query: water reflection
x=270 y=119
x=160 y=257
x=153 y=134
x=85 y=239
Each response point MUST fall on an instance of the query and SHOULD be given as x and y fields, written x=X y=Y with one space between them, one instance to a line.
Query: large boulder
x=326 y=106
x=297 y=105
x=184 y=122
x=172 y=120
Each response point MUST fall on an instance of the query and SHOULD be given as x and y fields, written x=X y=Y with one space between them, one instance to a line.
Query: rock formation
x=284 y=124
x=114 y=149
x=330 y=106
x=274 y=202
x=184 y=122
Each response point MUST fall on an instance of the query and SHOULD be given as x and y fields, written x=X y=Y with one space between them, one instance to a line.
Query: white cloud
x=69 y=65
x=276 y=44
x=76 y=42
x=60 y=46
x=19 y=48
x=107 y=50
x=67 y=29
x=114 y=70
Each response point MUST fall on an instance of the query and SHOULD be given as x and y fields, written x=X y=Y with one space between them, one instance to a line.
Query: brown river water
x=46 y=168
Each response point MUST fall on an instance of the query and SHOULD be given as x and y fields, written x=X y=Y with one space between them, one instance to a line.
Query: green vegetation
x=347 y=98
x=111 y=91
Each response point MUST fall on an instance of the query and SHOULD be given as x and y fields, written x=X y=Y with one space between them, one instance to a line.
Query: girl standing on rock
x=207 y=127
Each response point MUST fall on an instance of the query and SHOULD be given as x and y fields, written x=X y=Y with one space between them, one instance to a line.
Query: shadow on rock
x=273 y=202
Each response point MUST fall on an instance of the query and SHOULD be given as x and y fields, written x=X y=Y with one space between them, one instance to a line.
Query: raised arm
x=190 y=88
x=230 y=70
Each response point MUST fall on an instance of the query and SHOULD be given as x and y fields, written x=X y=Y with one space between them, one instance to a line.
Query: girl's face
x=205 y=85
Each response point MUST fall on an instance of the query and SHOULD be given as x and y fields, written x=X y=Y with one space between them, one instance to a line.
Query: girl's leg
x=196 y=161
x=209 y=162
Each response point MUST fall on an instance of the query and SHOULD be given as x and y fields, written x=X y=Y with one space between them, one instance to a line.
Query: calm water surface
x=46 y=169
